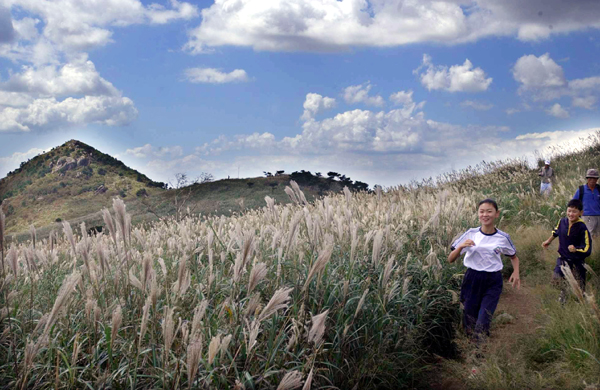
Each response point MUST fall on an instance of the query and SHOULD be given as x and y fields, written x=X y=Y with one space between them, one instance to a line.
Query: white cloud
x=315 y=103
x=586 y=102
x=150 y=151
x=332 y=25
x=585 y=84
x=360 y=94
x=9 y=163
x=215 y=76
x=49 y=113
x=255 y=141
x=480 y=106
x=542 y=79
x=78 y=77
x=401 y=97
x=457 y=78
x=81 y=25
x=538 y=72
x=557 y=111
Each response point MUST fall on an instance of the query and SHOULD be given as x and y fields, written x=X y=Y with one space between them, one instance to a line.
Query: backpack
x=581 y=194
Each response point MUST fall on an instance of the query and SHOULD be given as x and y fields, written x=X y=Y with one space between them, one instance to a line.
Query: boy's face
x=573 y=214
x=487 y=214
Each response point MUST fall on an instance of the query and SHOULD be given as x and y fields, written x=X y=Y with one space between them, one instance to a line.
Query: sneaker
x=562 y=298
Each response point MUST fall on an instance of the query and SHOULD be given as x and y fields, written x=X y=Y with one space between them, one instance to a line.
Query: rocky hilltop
x=74 y=182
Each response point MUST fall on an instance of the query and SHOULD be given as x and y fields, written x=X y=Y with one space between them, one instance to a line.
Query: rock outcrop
x=64 y=164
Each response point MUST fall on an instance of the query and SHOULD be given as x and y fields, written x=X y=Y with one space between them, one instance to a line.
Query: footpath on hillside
x=516 y=317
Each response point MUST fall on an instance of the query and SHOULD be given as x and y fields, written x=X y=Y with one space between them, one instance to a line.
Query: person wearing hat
x=589 y=194
x=547 y=175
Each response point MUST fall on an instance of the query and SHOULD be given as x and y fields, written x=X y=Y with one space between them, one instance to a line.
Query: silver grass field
x=349 y=291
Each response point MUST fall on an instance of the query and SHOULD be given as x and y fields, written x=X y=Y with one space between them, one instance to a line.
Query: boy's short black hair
x=575 y=203
x=490 y=201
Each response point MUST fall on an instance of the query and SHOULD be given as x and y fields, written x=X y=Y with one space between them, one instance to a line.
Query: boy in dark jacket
x=574 y=242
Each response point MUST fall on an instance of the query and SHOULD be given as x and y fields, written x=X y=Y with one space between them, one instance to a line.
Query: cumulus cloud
x=586 y=102
x=315 y=103
x=49 y=113
x=542 y=79
x=332 y=25
x=81 y=25
x=457 y=78
x=78 y=77
x=360 y=94
x=479 y=106
x=557 y=111
x=53 y=96
x=538 y=72
x=150 y=151
x=215 y=76
x=57 y=85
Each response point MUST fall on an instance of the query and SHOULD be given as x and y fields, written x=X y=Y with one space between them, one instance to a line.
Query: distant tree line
x=307 y=178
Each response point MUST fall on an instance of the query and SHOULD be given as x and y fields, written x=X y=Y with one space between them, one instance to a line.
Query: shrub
x=141 y=192
x=102 y=171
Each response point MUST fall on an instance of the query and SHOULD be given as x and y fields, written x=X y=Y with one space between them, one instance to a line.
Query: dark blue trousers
x=577 y=267
x=480 y=293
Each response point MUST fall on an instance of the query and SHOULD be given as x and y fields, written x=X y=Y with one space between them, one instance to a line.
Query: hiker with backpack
x=547 y=175
x=589 y=195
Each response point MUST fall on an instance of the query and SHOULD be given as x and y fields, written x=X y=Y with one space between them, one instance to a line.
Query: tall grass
x=348 y=291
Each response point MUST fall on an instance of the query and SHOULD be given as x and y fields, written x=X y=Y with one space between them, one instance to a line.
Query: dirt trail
x=523 y=305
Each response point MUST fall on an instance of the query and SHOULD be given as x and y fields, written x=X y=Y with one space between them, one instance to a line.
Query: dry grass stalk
x=259 y=271
x=110 y=225
x=147 y=271
x=308 y=382
x=199 y=312
x=251 y=332
x=168 y=328
x=377 y=244
x=225 y=344
x=145 y=315
x=76 y=347
x=361 y=302
x=163 y=267
x=213 y=348
x=277 y=302
x=69 y=234
x=134 y=281
x=291 y=380
x=317 y=330
x=12 y=258
x=117 y=319
x=387 y=272
x=573 y=283
x=194 y=352
x=320 y=264
x=62 y=297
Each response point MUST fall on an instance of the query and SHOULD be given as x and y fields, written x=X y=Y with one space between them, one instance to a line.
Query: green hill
x=75 y=182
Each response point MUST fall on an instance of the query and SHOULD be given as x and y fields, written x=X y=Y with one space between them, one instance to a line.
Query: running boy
x=482 y=283
x=574 y=243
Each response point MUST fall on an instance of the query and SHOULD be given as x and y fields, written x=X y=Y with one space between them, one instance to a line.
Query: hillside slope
x=74 y=182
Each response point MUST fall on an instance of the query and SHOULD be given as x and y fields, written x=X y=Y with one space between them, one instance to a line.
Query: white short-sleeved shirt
x=485 y=255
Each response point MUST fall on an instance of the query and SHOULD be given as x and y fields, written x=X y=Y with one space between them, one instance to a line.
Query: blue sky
x=384 y=91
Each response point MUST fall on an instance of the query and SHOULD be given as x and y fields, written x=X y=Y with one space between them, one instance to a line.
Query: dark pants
x=577 y=267
x=480 y=293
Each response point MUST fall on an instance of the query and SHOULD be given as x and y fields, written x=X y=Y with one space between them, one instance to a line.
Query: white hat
x=547 y=162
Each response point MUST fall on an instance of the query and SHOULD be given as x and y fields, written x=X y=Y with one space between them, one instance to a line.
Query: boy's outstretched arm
x=515 y=278
x=547 y=243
